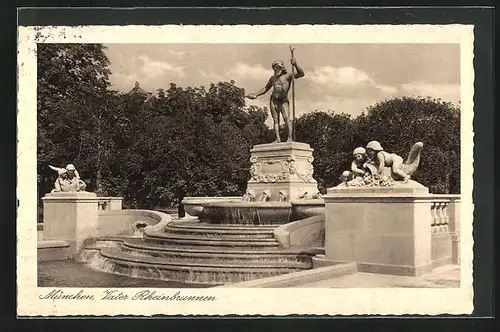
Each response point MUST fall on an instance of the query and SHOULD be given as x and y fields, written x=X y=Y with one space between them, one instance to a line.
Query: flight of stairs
x=196 y=252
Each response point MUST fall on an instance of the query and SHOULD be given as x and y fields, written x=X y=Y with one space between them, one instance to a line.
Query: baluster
x=446 y=218
x=439 y=214
x=433 y=214
x=440 y=220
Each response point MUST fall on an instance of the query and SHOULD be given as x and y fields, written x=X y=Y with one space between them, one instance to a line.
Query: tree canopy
x=397 y=124
x=196 y=141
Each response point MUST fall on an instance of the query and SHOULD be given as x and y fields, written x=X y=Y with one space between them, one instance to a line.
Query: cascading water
x=265 y=196
x=232 y=241
x=226 y=239
x=282 y=196
x=249 y=196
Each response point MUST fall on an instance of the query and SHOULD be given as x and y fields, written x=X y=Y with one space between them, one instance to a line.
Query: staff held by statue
x=293 y=94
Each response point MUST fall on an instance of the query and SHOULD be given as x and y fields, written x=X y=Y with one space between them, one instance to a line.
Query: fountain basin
x=306 y=208
x=193 y=205
x=246 y=213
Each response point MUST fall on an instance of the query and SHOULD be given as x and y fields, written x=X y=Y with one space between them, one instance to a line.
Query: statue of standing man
x=279 y=103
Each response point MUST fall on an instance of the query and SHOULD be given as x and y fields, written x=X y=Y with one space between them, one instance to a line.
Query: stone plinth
x=71 y=217
x=382 y=229
x=282 y=166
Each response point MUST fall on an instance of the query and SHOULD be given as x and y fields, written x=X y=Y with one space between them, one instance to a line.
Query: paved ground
x=448 y=276
x=73 y=274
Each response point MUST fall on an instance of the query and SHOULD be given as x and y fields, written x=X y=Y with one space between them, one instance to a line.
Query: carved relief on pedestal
x=274 y=170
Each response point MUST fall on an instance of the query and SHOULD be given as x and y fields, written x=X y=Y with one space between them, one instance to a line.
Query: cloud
x=386 y=88
x=151 y=74
x=177 y=54
x=212 y=77
x=339 y=76
x=346 y=82
x=152 y=68
x=243 y=74
x=242 y=71
x=447 y=92
x=349 y=105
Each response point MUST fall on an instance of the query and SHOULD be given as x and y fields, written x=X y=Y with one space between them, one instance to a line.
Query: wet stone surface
x=73 y=274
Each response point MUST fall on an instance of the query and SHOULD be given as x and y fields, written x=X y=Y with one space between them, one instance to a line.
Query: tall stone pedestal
x=282 y=166
x=383 y=230
x=70 y=216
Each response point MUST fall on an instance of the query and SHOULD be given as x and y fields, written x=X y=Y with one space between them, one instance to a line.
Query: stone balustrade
x=445 y=228
x=109 y=203
x=440 y=218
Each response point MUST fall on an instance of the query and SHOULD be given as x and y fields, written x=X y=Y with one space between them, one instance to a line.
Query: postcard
x=245 y=170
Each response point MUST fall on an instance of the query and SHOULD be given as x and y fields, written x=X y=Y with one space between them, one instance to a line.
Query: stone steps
x=208 y=226
x=220 y=254
x=140 y=243
x=181 y=239
x=228 y=232
x=196 y=252
x=119 y=254
x=114 y=260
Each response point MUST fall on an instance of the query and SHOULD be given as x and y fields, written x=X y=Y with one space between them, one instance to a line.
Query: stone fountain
x=281 y=182
x=232 y=239
x=225 y=240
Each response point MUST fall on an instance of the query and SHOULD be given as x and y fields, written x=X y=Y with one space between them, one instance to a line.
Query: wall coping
x=453 y=197
x=128 y=211
x=402 y=197
x=78 y=196
x=308 y=202
x=282 y=146
x=81 y=196
x=298 y=278
x=46 y=244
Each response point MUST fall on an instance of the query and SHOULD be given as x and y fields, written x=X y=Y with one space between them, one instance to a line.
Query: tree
x=397 y=124
x=400 y=122
x=331 y=136
x=71 y=89
x=192 y=142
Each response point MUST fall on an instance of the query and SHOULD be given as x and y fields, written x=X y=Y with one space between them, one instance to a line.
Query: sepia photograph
x=166 y=168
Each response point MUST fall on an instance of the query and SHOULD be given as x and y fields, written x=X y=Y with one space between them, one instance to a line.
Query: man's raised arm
x=300 y=71
x=261 y=91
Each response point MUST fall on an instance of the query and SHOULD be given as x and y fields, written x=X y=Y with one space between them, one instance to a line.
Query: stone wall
x=124 y=222
x=401 y=230
x=308 y=232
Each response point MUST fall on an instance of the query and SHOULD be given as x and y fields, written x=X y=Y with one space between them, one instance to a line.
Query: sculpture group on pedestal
x=372 y=166
x=68 y=180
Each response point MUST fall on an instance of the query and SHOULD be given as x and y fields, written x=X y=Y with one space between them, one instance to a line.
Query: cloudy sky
x=340 y=77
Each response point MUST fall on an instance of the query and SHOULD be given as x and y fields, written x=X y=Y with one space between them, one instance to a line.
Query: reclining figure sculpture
x=372 y=166
x=68 y=179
